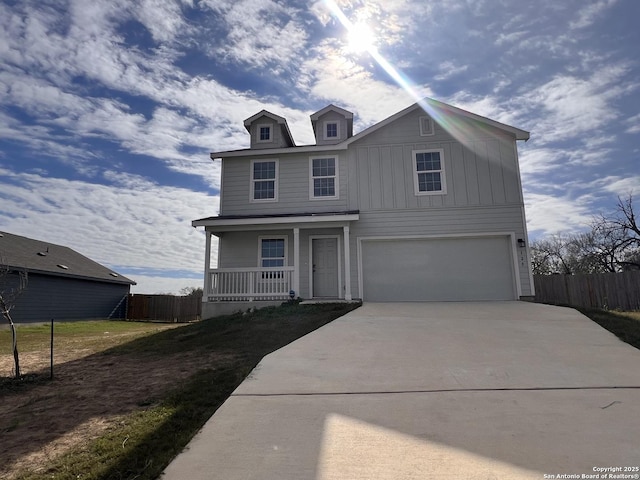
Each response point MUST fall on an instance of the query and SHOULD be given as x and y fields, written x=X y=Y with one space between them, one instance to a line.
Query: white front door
x=325 y=267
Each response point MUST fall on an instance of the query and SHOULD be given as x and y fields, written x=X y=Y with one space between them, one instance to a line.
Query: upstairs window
x=264 y=133
x=428 y=174
x=324 y=181
x=264 y=181
x=331 y=131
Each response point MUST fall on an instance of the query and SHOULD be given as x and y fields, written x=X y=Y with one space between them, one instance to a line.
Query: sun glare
x=361 y=38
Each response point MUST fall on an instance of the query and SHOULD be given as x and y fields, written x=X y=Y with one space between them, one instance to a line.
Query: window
x=426 y=126
x=331 y=130
x=428 y=172
x=272 y=253
x=264 y=181
x=264 y=133
x=324 y=181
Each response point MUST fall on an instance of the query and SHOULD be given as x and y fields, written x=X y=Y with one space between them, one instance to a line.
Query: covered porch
x=271 y=258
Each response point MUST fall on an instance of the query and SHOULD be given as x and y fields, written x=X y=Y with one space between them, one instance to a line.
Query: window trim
x=335 y=177
x=273 y=237
x=414 y=167
x=253 y=181
x=324 y=129
x=431 y=131
x=261 y=126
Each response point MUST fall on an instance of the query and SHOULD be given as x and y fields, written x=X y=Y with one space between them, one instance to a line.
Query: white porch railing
x=249 y=284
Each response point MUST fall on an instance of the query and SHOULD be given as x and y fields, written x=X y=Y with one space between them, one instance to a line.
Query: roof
x=439 y=111
x=331 y=108
x=278 y=220
x=45 y=258
x=286 y=133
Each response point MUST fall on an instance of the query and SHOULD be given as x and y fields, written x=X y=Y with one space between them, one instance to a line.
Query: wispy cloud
x=133 y=223
x=591 y=12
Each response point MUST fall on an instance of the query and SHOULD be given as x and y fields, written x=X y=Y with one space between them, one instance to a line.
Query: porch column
x=207 y=265
x=296 y=261
x=347 y=264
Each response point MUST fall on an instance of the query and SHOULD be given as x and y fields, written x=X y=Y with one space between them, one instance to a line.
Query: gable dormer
x=332 y=125
x=268 y=130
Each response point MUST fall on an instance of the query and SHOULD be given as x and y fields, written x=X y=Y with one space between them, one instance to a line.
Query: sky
x=109 y=108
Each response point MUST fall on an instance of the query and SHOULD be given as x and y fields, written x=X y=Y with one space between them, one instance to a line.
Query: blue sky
x=108 y=109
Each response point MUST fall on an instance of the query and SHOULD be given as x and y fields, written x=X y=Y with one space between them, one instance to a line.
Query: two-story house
x=425 y=205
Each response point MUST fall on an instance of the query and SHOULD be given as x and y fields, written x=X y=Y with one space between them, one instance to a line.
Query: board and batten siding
x=482 y=171
x=63 y=298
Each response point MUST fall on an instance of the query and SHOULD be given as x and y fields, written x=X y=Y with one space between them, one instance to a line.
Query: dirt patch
x=90 y=393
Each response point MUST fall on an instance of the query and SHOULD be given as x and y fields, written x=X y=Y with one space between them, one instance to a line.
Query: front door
x=325 y=267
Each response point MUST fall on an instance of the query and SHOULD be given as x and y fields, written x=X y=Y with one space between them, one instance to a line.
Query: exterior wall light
x=521 y=243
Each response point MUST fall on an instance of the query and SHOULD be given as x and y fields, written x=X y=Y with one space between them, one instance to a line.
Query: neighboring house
x=425 y=205
x=62 y=284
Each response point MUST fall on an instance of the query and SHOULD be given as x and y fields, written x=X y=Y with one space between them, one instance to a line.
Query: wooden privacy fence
x=166 y=308
x=599 y=290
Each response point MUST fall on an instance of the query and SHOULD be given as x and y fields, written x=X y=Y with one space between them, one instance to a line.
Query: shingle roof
x=47 y=258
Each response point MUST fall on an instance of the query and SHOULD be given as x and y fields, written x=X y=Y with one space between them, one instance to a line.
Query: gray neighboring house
x=63 y=284
x=425 y=205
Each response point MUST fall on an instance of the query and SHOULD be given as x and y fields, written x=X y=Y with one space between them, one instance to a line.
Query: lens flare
x=440 y=112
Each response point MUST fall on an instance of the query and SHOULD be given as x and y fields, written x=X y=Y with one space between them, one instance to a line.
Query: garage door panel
x=453 y=269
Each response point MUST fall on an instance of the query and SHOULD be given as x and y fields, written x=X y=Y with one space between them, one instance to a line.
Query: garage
x=438 y=269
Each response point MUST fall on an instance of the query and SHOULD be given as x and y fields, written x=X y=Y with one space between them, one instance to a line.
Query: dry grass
x=124 y=403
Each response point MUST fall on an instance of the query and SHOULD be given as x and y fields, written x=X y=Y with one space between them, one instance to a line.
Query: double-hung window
x=273 y=253
x=264 y=181
x=428 y=172
x=264 y=133
x=324 y=178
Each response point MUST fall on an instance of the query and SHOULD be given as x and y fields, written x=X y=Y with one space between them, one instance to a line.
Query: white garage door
x=443 y=269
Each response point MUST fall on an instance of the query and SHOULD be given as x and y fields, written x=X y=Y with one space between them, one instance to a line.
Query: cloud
x=550 y=214
x=132 y=223
x=259 y=33
x=450 y=69
x=633 y=123
x=590 y=13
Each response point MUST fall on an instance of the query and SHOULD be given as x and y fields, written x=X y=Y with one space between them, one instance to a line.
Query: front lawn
x=126 y=411
x=624 y=325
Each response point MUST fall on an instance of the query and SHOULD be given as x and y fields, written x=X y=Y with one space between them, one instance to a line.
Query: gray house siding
x=482 y=171
x=63 y=298
x=240 y=250
x=293 y=186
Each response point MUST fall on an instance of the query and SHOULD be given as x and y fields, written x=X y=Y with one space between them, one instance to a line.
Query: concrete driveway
x=487 y=390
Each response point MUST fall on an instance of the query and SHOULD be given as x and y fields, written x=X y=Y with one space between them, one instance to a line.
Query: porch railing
x=249 y=284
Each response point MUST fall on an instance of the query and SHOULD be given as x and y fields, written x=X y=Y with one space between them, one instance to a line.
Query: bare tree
x=622 y=231
x=12 y=284
x=612 y=245
x=555 y=254
x=191 y=291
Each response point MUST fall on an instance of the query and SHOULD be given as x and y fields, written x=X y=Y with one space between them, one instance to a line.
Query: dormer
x=268 y=130
x=332 y=125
